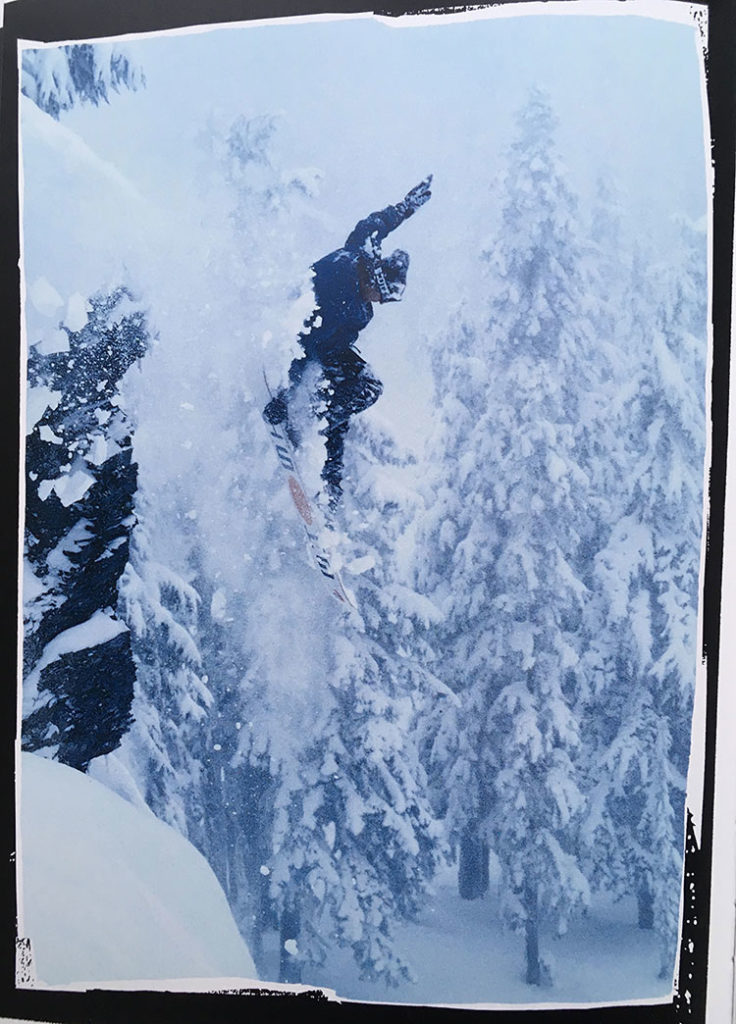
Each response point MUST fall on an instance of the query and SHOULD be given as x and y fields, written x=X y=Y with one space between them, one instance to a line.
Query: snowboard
x=313 y=519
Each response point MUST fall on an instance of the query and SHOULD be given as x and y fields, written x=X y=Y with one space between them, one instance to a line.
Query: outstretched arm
x=383 y=222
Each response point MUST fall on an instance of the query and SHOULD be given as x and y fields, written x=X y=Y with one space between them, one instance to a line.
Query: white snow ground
x=461 y=955
x=110 y=893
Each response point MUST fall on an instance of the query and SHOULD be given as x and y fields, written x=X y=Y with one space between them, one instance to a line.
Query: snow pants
x=347 y=387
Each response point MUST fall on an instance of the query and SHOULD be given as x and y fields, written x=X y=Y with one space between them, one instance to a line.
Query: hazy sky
x=368 y=100
x=377 y=105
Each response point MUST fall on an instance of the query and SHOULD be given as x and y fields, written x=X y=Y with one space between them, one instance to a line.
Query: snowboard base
x=312 y=517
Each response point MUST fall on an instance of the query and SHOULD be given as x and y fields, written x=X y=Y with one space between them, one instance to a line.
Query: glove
x=415 y=198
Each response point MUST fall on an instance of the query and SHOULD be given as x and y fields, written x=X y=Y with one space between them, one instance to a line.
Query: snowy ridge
x=73 y=152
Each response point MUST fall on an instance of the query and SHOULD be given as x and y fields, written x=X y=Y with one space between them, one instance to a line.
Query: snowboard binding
x=276 y=413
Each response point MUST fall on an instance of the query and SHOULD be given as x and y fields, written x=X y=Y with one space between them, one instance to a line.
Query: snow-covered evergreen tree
x=453 y=566
x=80 y=486
x=56 y=78
x=514 y=526
x=166 y=745
x=355 y=840
x=647 y=575
x=545 y=423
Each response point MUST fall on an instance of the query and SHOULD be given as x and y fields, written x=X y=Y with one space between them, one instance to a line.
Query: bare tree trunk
x=645 y=902
x=472 y=873
x=260 y=920
x=533 y=971
x=290 y=970
x=485 y=879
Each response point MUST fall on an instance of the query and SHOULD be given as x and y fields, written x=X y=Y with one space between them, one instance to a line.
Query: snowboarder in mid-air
x=346 y=284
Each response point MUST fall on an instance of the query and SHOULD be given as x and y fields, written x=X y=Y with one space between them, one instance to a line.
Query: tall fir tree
x=458 y=544
x=544 y=423
x=518 y=529
x=647 y=577
x=355 y=839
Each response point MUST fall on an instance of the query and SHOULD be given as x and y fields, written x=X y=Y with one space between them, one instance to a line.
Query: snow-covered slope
x=84 y=227
x=110 y=893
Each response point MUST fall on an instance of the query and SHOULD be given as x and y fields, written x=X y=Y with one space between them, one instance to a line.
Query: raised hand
x=416 y=197
x=419 y=195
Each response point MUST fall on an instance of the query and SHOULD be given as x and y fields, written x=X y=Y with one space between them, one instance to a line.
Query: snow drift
x=110 y=893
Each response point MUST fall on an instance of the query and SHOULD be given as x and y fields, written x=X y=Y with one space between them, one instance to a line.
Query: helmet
x=390 y=275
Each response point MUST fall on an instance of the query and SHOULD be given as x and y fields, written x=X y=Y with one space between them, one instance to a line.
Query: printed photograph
x=366 y=403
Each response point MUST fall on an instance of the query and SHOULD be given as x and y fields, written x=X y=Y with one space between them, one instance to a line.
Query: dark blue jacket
x=341 y=311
